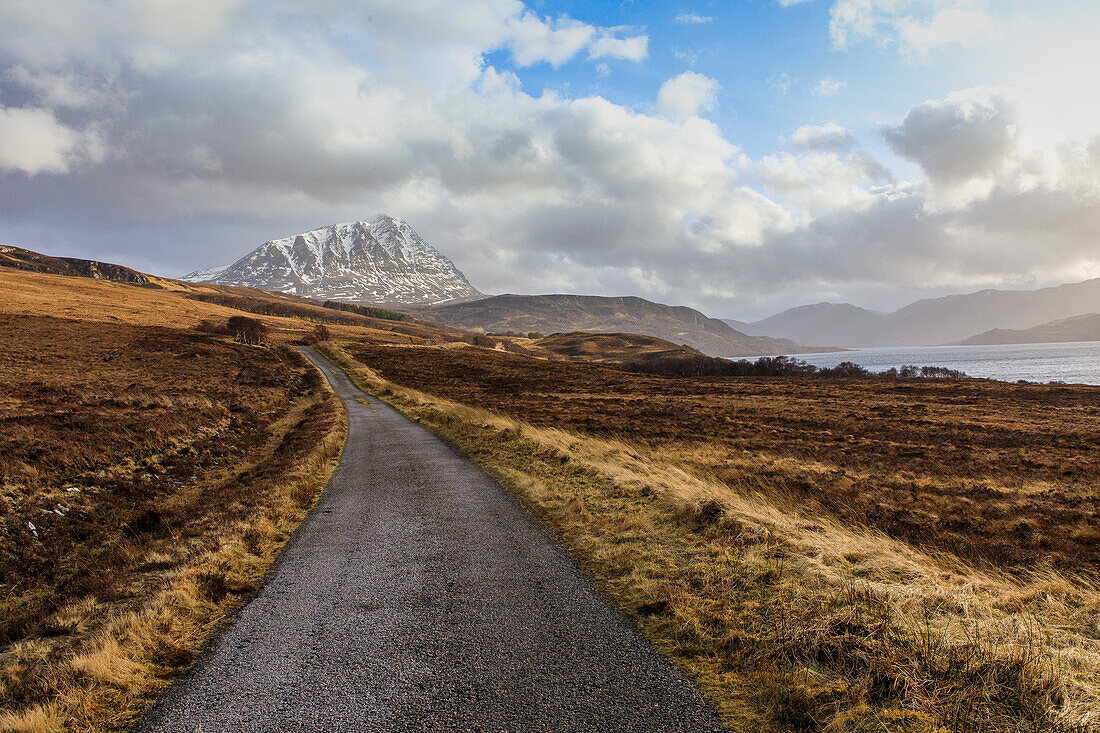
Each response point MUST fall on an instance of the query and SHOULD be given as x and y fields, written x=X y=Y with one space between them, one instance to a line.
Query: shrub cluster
x=247 y=330
x=319 y=333
x=243 y=329
x=482 y=340
x=208 y=326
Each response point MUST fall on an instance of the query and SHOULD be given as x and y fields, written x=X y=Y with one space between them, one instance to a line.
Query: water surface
x=1074 y=363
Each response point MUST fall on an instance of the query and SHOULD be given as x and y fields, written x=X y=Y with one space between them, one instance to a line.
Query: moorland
x=817 y=553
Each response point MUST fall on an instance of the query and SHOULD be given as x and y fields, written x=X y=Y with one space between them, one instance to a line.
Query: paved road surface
x=419 y=596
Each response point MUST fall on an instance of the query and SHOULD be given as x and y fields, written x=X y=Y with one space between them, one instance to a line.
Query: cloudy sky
x=740 y=156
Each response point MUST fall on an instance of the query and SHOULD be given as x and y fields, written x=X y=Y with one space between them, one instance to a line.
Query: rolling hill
x=607 y=347
x=561 y=313
x=28 y=261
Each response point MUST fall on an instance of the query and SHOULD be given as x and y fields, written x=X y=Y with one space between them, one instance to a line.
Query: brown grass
x=1003 y=475
x=790 y=615
x=175 y=304
x=162 y=470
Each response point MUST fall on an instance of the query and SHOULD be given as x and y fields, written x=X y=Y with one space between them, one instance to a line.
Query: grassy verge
x=789 y=619
x=124 y=609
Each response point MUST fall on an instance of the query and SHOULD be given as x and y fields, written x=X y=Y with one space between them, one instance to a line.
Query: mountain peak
x=379 y=260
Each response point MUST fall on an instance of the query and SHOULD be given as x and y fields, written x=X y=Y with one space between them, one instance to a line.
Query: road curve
x=418 y=595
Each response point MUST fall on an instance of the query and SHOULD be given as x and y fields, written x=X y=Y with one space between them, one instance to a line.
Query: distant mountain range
x=383 y=261
x=380 y=261
x=1077 y=328
x=932 y=321
x=563 y=313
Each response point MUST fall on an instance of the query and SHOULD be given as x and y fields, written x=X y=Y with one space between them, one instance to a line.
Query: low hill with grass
x=610 y=347
x=24 y=259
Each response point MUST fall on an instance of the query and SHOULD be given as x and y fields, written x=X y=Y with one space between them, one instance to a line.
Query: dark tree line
x=371 y=311
x=699 y=365
x=340 y=313
x=519 y=334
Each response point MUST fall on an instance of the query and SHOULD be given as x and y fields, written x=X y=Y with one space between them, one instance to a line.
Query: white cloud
x=686 y=95
x=33 y=141
x=688 y=56
x=533 y=40
x=693 y=18
x=60 y=90
x=631 y=48
x=828 y=87
x=950 y=25
x=48 y=33
x=915 y=26
x=442 y=40
x=822 y=182
x=829 y=136
x=964 y=143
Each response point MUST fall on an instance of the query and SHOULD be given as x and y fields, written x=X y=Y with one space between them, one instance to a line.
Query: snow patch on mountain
x=377 y=261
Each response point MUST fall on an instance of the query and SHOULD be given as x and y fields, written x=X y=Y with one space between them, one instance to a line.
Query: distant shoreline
x=1075 y=362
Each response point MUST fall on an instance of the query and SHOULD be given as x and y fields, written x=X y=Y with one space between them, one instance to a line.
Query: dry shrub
x=483 y=341
x=208 y=326
x=320 y=333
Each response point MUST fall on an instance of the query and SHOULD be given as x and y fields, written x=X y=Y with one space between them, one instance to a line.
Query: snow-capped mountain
x=378 y=261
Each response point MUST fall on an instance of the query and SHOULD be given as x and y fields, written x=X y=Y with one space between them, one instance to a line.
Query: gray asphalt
x=418 y=595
